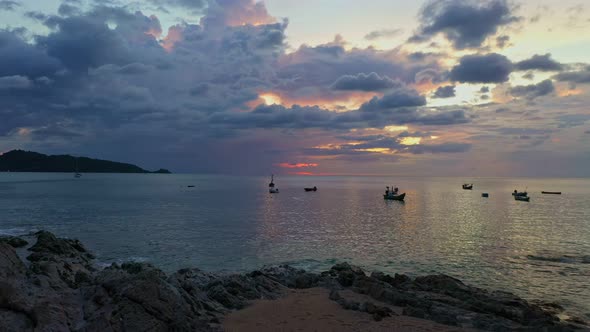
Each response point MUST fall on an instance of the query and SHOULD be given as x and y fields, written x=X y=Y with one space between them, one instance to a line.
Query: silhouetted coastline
x=28 y=161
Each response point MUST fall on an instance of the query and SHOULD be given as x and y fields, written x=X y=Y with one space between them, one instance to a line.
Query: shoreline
x=61 y=289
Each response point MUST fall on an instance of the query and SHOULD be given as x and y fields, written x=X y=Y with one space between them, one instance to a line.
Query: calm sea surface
x=539 y=250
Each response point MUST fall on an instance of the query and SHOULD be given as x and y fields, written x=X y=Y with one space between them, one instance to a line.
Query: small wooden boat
x=311 y=189
x=551 y=192
x=190 y=186
x=486 y=195
x=519 y=193
x=393 y=194
x=394 y=197
x=468 y=186
x=522 y=198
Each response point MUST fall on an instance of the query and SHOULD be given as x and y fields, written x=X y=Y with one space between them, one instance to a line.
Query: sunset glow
x=270 y=81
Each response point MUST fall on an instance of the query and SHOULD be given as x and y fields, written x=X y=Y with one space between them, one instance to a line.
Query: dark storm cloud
x=447 y=91
x=466 y=24
x=365 y=82
x=534 y=90
x=386 y=33
x=580 y=76
x=539 y=62
x=21 y=58
x=312 y=70
x=488 y=68
x=395 y=99
x=9 y=5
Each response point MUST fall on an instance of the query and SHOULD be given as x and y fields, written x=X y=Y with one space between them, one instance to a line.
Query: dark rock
x=61 y=291
x=11 y=266
x=14 y=241
x=414 y=312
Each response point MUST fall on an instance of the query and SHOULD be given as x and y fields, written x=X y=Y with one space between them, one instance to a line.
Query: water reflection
x=535 y=249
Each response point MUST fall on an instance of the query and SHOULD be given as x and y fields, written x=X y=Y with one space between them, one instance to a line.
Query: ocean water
x=538 y=250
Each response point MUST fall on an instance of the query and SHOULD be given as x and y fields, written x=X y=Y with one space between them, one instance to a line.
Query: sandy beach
x=313 y=310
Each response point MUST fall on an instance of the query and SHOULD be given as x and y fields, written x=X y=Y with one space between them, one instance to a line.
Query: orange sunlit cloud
x=298 y=165
x=341 y=101
x=175 y=34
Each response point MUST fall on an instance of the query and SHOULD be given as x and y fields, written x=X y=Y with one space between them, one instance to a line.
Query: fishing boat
x=516 y=193
x=271 y=186
x=468 y=186
x=394 y=194
x=522 y=198
x=551 y=192
x=311 y=189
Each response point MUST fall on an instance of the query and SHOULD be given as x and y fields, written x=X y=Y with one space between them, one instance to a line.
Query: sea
x=537 y=250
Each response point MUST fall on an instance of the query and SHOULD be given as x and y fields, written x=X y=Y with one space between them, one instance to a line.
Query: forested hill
x=27 y=161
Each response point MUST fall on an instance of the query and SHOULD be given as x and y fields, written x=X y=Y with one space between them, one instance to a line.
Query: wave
x=568 y=259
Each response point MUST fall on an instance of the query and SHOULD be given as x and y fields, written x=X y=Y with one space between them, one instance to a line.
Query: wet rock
x=11 y=266
x=61 y=291
x=14 y=241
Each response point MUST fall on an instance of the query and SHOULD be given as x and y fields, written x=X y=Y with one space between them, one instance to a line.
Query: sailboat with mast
x=76 y=171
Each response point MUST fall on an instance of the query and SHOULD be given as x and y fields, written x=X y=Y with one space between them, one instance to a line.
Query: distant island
x=28 y=161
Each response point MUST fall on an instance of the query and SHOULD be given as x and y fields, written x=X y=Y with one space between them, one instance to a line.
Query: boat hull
x=522 y=198
x=551 y=192
x=395 y=197
x=310 y=189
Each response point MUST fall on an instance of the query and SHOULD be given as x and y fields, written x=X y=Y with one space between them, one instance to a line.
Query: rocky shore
x=54 y=285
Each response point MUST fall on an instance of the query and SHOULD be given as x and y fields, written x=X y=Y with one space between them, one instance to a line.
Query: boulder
x=14 y=241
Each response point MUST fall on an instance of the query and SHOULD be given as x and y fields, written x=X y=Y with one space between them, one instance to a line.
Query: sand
x=312 y=310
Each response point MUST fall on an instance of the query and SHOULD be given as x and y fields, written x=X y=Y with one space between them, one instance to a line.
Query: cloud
x=502 y=41
x=534 y=90
x=189 y=4
x=398 y=107
x=387 y=145
x=365 y=82
x=488 y=68
x=297 y=165
x=21 y=58
x=466 y=23
x=15 y=82
x=9 y=5
x=221 y=13
x=540 y=63
x=381 y=34
x=395 y=99
x=580 y=76
x=447 y=91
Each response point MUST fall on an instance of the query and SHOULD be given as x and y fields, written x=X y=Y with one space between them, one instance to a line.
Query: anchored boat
x=551 y=192
x=468 y=186
x=271 y=186
x=522 y=198
x=311 y=189
x=394 y=194
x=517 y=193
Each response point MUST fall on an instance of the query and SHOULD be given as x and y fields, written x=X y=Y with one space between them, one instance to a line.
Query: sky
x=333 y=87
